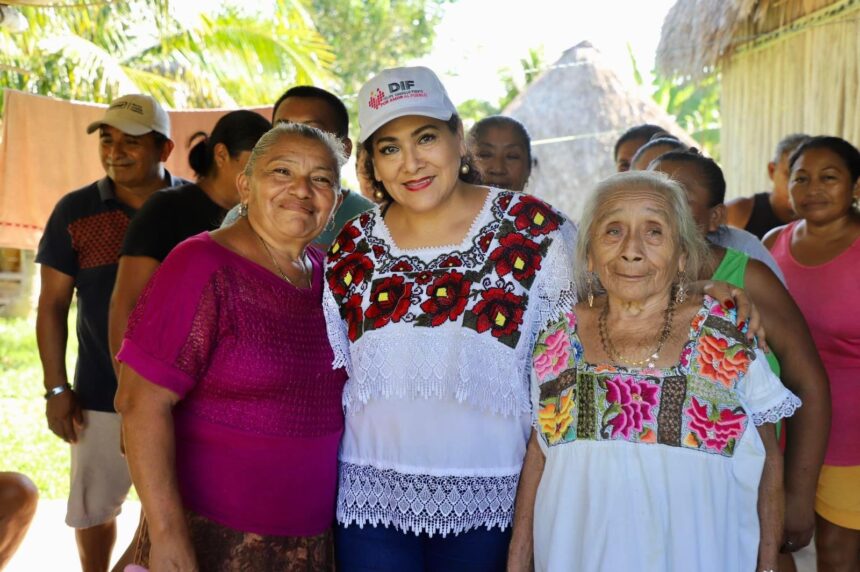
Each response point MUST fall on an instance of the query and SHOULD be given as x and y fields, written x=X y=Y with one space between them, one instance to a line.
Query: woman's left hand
x=748 y=315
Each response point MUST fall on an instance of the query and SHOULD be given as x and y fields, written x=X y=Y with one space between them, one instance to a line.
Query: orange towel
x=45 y=152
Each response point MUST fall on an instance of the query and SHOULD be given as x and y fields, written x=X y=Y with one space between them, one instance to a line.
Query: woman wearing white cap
x=432 y=302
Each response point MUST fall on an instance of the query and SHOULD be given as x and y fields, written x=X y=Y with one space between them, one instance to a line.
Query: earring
x=464 y=168
x=378 y=195
x=681 y=292
x=243 y=209
x=589 y=290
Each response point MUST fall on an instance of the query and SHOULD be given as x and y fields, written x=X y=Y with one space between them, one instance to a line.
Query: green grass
x=26 y=444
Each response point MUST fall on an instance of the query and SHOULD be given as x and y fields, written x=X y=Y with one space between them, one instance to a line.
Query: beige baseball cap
x=397 y=92
x=135 y=114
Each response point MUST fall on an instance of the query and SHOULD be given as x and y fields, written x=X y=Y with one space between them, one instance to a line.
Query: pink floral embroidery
x=634 y=402
x=571 y=320
x=554 y=359
x=715 y=432
x=685 y=355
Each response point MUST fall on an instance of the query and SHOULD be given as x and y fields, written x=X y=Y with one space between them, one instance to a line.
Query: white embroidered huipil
x=437 y=343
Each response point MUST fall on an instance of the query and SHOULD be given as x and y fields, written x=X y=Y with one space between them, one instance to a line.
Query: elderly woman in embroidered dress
x=654 y=439
x=230 y=407
x=433 y=302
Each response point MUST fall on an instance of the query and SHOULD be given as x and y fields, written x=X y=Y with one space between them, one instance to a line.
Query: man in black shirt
x=78 y=253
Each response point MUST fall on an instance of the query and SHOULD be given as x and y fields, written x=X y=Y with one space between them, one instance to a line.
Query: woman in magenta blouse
x=231 y=411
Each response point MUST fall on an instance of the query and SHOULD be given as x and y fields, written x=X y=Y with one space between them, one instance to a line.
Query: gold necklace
x=650 y=360
x=280 y=270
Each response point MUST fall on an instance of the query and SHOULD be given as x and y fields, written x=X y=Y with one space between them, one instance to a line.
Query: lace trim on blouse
x=423 y=503
x=783 y=410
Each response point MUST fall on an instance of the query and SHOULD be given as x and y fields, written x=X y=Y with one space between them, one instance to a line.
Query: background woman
x=433 y=302
x=502 y=150
x=172 y=215
x=820 y=255
x=230 y=407
x=654 y=416
x=630 y=142
x=799 y=365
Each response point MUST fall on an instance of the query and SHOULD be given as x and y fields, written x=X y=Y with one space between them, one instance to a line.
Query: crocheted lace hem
x=424 y=503
x=784 y=409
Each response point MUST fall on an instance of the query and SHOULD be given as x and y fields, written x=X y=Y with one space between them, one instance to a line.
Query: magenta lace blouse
x=258 y=426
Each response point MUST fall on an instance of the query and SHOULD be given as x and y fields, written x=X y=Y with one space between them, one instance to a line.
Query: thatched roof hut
x=575 y=111
x=787 y=66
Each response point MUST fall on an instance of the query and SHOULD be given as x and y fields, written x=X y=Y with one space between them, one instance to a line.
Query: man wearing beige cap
x=78 y=253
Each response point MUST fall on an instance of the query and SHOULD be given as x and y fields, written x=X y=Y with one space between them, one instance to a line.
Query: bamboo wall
x=808 y=81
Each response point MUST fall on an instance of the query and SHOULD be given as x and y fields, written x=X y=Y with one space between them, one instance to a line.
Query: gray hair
x=788 y=144
x=688 y=237
x=281 y=130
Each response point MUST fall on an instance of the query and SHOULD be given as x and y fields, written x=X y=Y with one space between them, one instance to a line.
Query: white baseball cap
x=397 y=92
x=135 y=114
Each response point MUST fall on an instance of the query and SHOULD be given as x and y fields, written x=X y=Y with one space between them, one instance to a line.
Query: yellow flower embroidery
x=555 y=421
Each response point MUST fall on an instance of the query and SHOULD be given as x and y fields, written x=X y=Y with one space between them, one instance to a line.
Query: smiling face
x=131 y=160
x=633 y=245
x=821 y=187
x=417 y=158
x=501 y=157
x=292 y=190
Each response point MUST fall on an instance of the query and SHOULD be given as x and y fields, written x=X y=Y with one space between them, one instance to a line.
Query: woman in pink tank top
x=820 y=256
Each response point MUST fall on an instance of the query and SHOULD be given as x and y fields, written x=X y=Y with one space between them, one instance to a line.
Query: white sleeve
x=337 y=332
x=763 y=395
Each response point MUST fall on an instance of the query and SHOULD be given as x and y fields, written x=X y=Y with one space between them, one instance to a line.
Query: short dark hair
x=341 y=115
x=712 y=175
x=670 y=141
x=846 y=151
x=238 y=131
x=788 y=144
x=478 y=129
x=644 y=132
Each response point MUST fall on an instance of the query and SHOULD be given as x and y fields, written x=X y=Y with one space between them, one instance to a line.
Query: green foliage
x=514 y=82
x=99 y=52
x=695 y=105
x=26 y=444
x=368 y=36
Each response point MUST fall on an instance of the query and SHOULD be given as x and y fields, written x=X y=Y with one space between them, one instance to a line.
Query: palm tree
x=224 y=59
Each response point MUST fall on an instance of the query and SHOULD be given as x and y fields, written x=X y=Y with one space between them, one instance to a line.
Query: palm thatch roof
x=698 y=34
x=575 y=111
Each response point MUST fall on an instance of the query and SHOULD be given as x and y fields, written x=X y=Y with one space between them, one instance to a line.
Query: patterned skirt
x=222 y=549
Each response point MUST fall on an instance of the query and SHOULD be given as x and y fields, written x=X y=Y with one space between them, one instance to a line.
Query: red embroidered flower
x=424 y=277
x=351 y=312
x=402 y=266
x=451 y=261
x=485 y=240
x=714 y=431
x=505 y=200
x=535 y=215
x=499 y=311
x=448 y=296
x=378 y=251
x=351 y=269
x=344 y=243
x=389 y=301
x=516 y=255
x=634 y=403
x=720 y=362
x=364 y=219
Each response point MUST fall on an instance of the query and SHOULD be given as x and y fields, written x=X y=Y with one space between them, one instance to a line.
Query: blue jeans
x=383 y=548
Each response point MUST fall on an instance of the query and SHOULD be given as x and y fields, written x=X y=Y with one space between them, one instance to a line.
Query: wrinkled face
x=820 y=186
x=633 y=245
x=649 y=155
x=501 y=157
x=292 y=191
x=417 y=158
x=698 y=196
x=130 y=160
x=625 y=153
